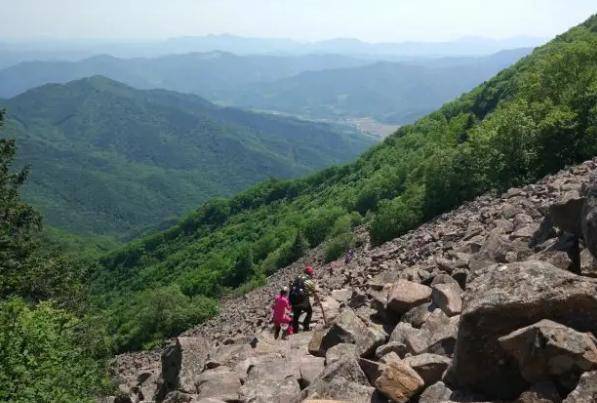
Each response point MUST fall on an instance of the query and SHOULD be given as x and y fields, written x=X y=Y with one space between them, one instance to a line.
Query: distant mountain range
x=110 y=159
x=312 y=86
x=13 y=53
x=396 y=93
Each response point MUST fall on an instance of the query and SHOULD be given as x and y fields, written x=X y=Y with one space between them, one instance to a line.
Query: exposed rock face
x=504 y=298
x=547 y=350
x=485 y=291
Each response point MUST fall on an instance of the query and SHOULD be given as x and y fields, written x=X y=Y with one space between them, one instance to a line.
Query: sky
x=305 y=20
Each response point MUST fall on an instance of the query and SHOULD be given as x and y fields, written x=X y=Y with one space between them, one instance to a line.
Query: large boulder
x=565 y=213
x=447 y=297
x=183 y=361
x=272 y=379
x=219 y=383
x=310 y=368
x=585 y=391
x=547 y=350
x=415 y=341
x=502 y=298
x=349 y=328
x=438 y=392
x=341 y=350
x=342 y=380
x=405 y=295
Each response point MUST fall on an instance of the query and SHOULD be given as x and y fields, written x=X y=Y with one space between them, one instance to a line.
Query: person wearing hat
x=300 y=292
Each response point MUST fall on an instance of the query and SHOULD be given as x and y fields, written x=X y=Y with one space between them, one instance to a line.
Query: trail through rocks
x=494 y=301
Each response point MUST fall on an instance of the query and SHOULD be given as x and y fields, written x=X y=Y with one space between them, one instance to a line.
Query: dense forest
x=531 y=119
x=61 y=317
x=110 y=160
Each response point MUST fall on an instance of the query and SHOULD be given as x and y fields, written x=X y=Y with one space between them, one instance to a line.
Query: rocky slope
x=495 y=301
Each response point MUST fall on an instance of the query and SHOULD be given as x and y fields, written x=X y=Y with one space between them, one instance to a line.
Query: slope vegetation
x=531 y=119
x=109 y=159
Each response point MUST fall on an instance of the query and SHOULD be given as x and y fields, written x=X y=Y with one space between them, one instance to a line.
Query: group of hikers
x=293 y=301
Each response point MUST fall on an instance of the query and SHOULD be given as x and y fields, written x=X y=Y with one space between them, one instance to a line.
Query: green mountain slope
x=209 y=74
x=532 y=118
x=389 y=92
x=108 y=159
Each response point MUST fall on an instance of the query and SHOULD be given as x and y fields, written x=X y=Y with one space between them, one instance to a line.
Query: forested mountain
x=213 y=75
x=389 y=92
x=532 y=118
x=314 y=86
x=109 y=159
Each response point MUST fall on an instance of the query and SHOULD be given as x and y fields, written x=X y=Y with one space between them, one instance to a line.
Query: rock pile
x=495 y=301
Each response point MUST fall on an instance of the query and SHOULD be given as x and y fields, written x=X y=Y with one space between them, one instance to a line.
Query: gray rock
x=349 y=328
x=415 y=340
x=566 y=212
x=585 y=391
x=438 y=392
x=341 y=350
x=548 y=349
x=588 y=220
x=219 y=383
x=310 y=368
x=342 y=380
x=393 y=346
x=405 y=295
x=417 y=315
x=430 y=367
x=503 y=298
x=447 y=297
x=542 y=392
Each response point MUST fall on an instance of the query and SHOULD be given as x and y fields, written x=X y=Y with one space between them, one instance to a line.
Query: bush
x=42 y=358
x=158 y=314
x=393 y=219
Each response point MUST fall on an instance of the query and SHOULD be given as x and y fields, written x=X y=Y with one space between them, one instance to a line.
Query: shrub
x=338 y=246
x=42 y=358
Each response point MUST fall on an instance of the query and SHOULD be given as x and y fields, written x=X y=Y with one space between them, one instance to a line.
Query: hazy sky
x=370 y=20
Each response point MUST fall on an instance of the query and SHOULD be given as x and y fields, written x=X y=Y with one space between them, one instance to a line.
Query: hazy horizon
x=379 y=21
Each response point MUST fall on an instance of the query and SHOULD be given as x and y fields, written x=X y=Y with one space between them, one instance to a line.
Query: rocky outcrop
x=490 y=302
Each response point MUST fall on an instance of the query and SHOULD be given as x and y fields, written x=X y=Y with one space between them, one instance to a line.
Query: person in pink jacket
x=280 y=313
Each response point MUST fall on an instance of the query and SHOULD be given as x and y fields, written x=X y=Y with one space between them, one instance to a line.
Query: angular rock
x=310 y=367
x=405 y=295
x=349 y=328
x=438 y=392
x=219 y=383
x=183 y=362
x=585 y=391
x=543 y=392
x=272 y=380
x=417 y=315
x=430 y=367
x=315 y=344
x=341 y=350
x=447 y=297
x=416 y=341
x=391 y=347
x=442 y=332
x=547 y=349
x=588 y=219
x=398 y=381
x=566 y=212
x=342 y=380
x=502 y=298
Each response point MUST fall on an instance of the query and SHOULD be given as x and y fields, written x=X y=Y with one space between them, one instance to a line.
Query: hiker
x=280 y=313
x=302 y=288
x=349 y=256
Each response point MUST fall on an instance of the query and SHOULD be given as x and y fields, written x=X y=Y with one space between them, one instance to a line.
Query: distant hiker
x=302 y=288
x=349 y=256
x=280 y=313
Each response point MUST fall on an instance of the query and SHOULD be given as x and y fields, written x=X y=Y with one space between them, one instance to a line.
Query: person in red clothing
x=280 y=313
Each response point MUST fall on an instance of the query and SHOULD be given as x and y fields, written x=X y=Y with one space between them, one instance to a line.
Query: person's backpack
x=298 y=292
